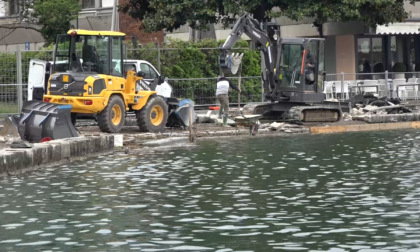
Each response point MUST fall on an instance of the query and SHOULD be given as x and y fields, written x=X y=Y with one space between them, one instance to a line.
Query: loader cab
x=302 y=64
x=90 y=52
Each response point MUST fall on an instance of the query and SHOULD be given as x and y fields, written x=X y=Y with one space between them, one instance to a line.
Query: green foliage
x=182 y=59
x=157 y=15
x=54 y=16
x=8 y=64
x=186 y=60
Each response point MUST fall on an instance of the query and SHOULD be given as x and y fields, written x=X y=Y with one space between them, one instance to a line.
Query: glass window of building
x=14 y=7
x=370 y=57
x=88 y=4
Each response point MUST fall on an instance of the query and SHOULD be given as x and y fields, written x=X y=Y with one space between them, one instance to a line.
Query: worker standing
x=222 y=96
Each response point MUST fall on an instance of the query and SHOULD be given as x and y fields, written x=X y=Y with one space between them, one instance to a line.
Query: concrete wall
x=345 y=57
x=414 y=10
x=17 y=161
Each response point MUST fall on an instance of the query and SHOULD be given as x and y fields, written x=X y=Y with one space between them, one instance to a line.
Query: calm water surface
x=347 y=192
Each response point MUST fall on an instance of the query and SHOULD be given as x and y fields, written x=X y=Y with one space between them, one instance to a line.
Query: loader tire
x=112 y=118
x=153 y=116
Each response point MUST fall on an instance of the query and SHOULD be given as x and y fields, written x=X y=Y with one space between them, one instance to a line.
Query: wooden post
x=239 y=86
x=190 y=138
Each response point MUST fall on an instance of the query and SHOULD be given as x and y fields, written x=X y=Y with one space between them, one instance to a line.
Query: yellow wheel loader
x=89 y=75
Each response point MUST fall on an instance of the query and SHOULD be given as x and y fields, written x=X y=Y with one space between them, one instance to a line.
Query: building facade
x=15 y=33
x=351 y=47
x=95 y=15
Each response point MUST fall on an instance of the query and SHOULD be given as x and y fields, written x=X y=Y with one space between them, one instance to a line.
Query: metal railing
x=12 y=97
x=404 y=86
x=200 y=90
x=203 y=90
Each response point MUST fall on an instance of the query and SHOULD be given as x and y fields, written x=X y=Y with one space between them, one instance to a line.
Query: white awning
x=399 y=28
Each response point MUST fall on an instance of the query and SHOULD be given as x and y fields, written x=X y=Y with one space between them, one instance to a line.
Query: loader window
x=93 y=52
x=291 y=63
x=62 y=54
x=117 y=62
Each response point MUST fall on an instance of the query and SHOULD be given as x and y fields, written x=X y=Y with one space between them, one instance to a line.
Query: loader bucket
x=39 y=120
x=10 y=128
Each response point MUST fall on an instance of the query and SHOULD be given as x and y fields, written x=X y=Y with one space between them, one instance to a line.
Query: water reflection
x=347 y=192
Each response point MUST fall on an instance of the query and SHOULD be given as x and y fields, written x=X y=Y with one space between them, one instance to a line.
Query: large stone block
x=14 y=161
x=40 y=154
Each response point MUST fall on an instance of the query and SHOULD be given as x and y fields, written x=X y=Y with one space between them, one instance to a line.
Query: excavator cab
x=302 y=64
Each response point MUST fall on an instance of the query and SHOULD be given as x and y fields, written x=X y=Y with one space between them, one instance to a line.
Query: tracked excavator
x=291 y=69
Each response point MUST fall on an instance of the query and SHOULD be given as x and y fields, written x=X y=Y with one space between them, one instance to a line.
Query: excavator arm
x=269 y=47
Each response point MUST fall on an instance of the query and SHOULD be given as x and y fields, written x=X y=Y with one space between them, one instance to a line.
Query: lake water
x=341 y=192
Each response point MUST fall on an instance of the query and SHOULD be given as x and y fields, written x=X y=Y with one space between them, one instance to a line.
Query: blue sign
x=27 y=46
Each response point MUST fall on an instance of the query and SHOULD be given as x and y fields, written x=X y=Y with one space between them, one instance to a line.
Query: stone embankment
x=18 y=158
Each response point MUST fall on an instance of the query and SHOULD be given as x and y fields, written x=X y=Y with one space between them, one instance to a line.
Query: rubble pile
x=283 y=127
x=373 y=110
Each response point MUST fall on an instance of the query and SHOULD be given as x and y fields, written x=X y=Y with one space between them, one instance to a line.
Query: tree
x=49 y=17
x=172 y=14
x=54 y=16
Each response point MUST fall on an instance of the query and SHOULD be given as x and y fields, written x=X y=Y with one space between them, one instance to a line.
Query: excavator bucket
x=43 y=120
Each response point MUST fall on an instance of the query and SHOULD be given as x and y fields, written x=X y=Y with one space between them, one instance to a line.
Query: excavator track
x=254 y=108
x=319 y=113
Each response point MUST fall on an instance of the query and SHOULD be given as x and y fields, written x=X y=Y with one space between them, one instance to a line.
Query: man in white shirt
x=222 y=90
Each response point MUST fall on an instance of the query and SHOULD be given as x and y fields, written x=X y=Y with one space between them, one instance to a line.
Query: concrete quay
x=15 y=161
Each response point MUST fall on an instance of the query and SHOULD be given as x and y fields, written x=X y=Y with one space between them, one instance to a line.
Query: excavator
x=291 y=69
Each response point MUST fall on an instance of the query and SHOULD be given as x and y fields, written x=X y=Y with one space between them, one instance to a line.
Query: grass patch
x=8 y=108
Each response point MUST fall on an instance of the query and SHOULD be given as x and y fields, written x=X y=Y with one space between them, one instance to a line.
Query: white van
x=40 y=71
x=150 y=73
